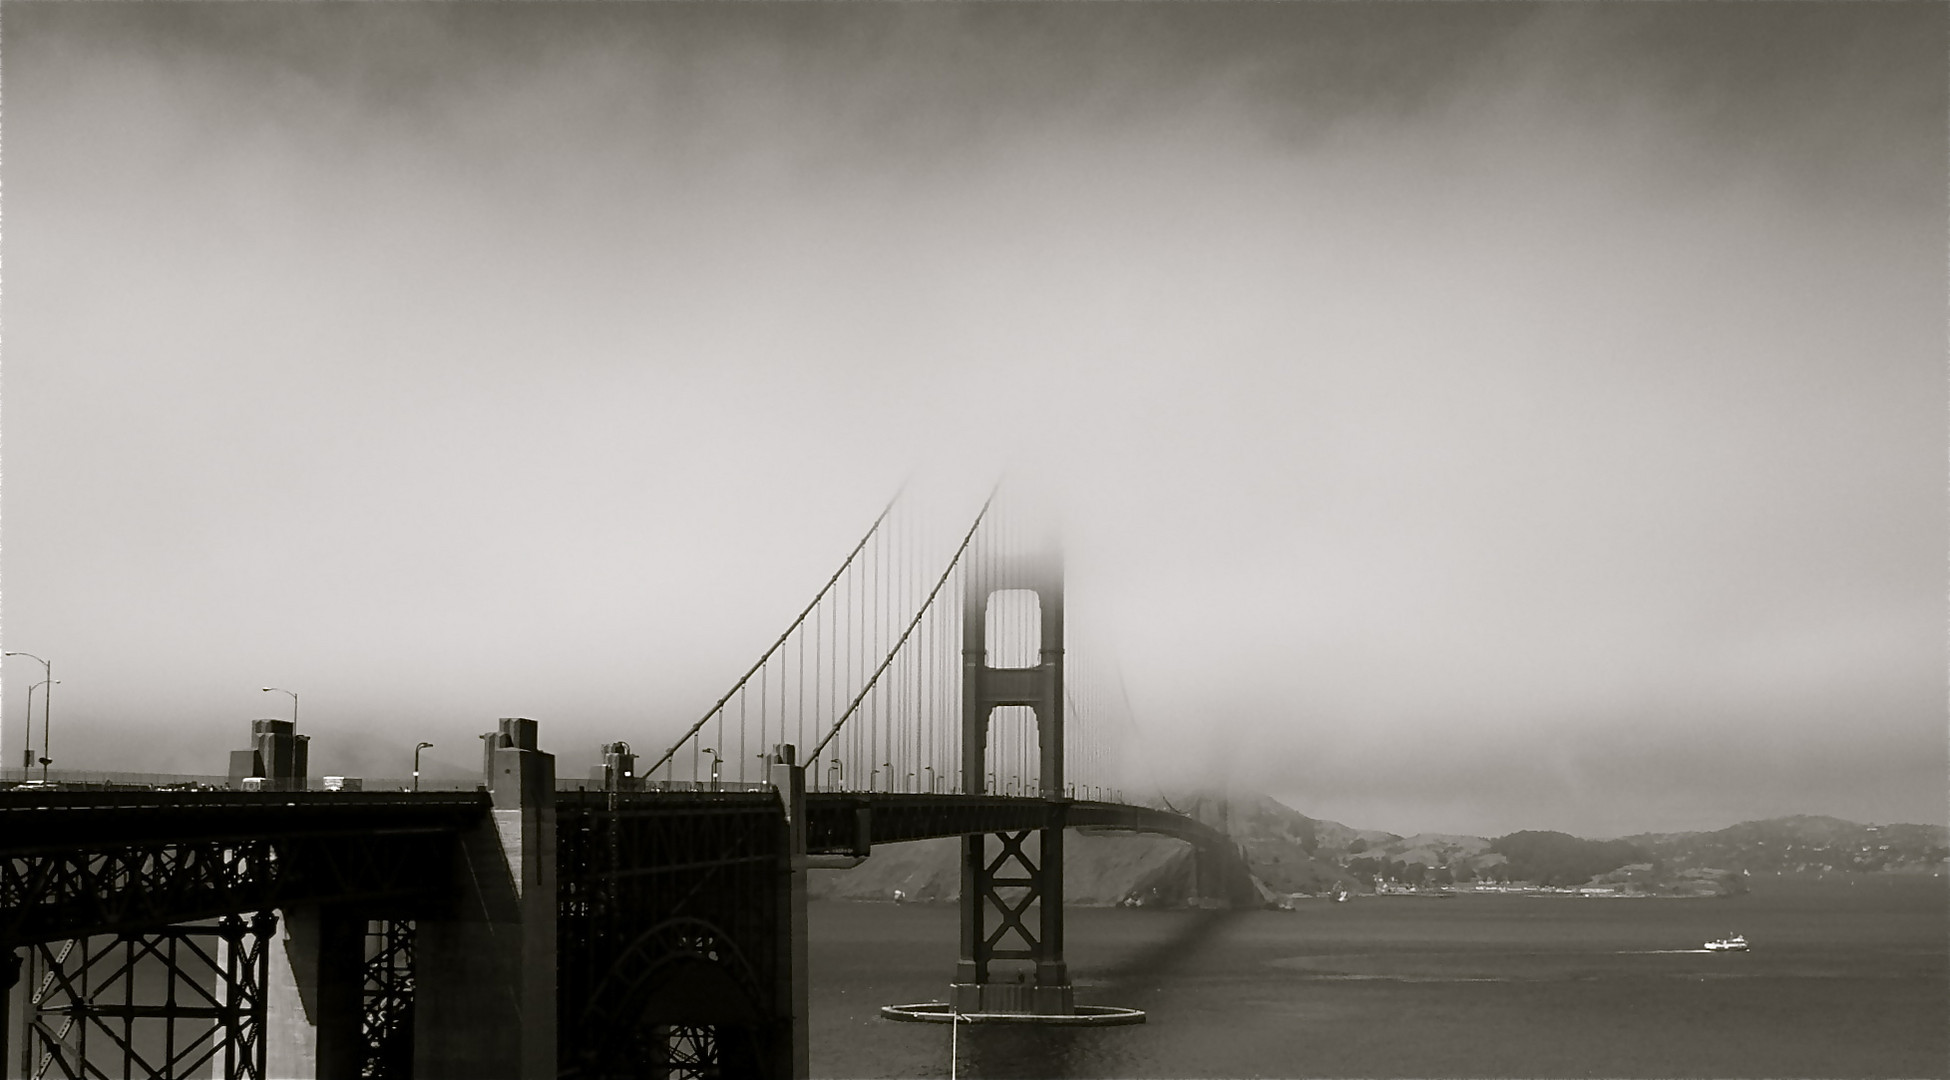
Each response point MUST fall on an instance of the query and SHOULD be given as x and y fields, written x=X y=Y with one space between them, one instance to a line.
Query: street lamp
x=47 y=708
x=930 y=771
x=838 y=773
x=416 y=762
x=715 y=762
x=294 y=702
x=27 y=759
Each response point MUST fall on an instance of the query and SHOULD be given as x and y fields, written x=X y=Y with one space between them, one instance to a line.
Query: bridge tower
x=998 y=889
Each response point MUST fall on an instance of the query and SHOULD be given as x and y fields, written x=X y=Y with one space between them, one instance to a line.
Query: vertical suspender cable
x=799 y=729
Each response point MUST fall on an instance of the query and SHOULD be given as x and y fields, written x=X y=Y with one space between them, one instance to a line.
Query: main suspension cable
x=925 y=605
x=740 y=685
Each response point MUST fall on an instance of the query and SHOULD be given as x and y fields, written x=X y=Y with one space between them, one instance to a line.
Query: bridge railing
x=92 y=778
x=718 y=786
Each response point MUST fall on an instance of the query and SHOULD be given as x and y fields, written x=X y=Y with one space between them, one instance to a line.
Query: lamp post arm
x=27 y=732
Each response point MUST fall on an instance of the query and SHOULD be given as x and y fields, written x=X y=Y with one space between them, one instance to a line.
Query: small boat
x=1730 y=943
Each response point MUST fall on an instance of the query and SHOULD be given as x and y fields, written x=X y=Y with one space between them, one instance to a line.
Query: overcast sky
x=1466 y=417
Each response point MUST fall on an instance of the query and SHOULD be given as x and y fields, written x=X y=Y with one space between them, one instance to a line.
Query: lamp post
x=416 y=762
x=838 y=773
x=294 y=703
x=47 y=707
x=930 y=771
x=715 y=762
x=889 y=766
x=27 y=759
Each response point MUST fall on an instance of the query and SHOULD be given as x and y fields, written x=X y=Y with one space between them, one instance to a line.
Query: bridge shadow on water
x=1028 y=1051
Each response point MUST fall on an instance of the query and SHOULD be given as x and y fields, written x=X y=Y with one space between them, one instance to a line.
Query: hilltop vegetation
x=1555 y=858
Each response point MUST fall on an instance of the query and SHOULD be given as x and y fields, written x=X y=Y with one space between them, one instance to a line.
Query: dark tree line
x=1555 y=858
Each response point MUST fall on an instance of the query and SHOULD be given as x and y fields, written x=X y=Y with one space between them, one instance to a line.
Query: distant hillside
x=1805 y=844
x=1672 y=862
x=1292 y=853
x=1555 y=858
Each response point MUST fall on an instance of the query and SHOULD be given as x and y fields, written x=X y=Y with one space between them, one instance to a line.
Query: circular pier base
x=937 y=1012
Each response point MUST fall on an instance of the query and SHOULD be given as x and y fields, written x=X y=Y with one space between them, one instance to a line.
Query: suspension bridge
x=646 y=921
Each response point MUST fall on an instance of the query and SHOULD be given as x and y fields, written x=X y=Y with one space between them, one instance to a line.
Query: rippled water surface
x=1845 y=980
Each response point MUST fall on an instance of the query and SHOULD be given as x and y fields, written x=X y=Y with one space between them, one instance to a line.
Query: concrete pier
x=484 y=995
x=795 y=989
x=312 y=1006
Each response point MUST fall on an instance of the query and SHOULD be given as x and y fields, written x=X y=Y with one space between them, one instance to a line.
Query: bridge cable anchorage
x=918 y=614
x=718 y=708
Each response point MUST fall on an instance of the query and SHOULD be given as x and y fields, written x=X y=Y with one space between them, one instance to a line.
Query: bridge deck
x=38 y=820
x=79 y=863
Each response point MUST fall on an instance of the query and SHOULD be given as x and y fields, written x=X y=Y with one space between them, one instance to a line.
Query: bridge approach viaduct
x=526 y=929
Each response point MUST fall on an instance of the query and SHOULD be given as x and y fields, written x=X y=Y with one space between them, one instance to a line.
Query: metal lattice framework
x=76 y=893
x=1009 y=897
x=386 y=1006
x=671 y=931
x=686 y=1051
x=118 y=894
x=169 y=1002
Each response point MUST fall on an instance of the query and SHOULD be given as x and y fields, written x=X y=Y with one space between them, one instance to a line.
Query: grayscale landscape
x=1401 y=522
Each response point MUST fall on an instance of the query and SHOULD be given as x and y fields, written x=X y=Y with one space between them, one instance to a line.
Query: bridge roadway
x=895 y=817
x=78 y=863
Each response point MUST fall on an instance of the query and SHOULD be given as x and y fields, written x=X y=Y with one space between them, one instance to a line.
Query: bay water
x=1847 y=977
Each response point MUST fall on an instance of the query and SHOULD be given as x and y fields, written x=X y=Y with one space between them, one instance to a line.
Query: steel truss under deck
x=79 y=864
x=673 y=918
